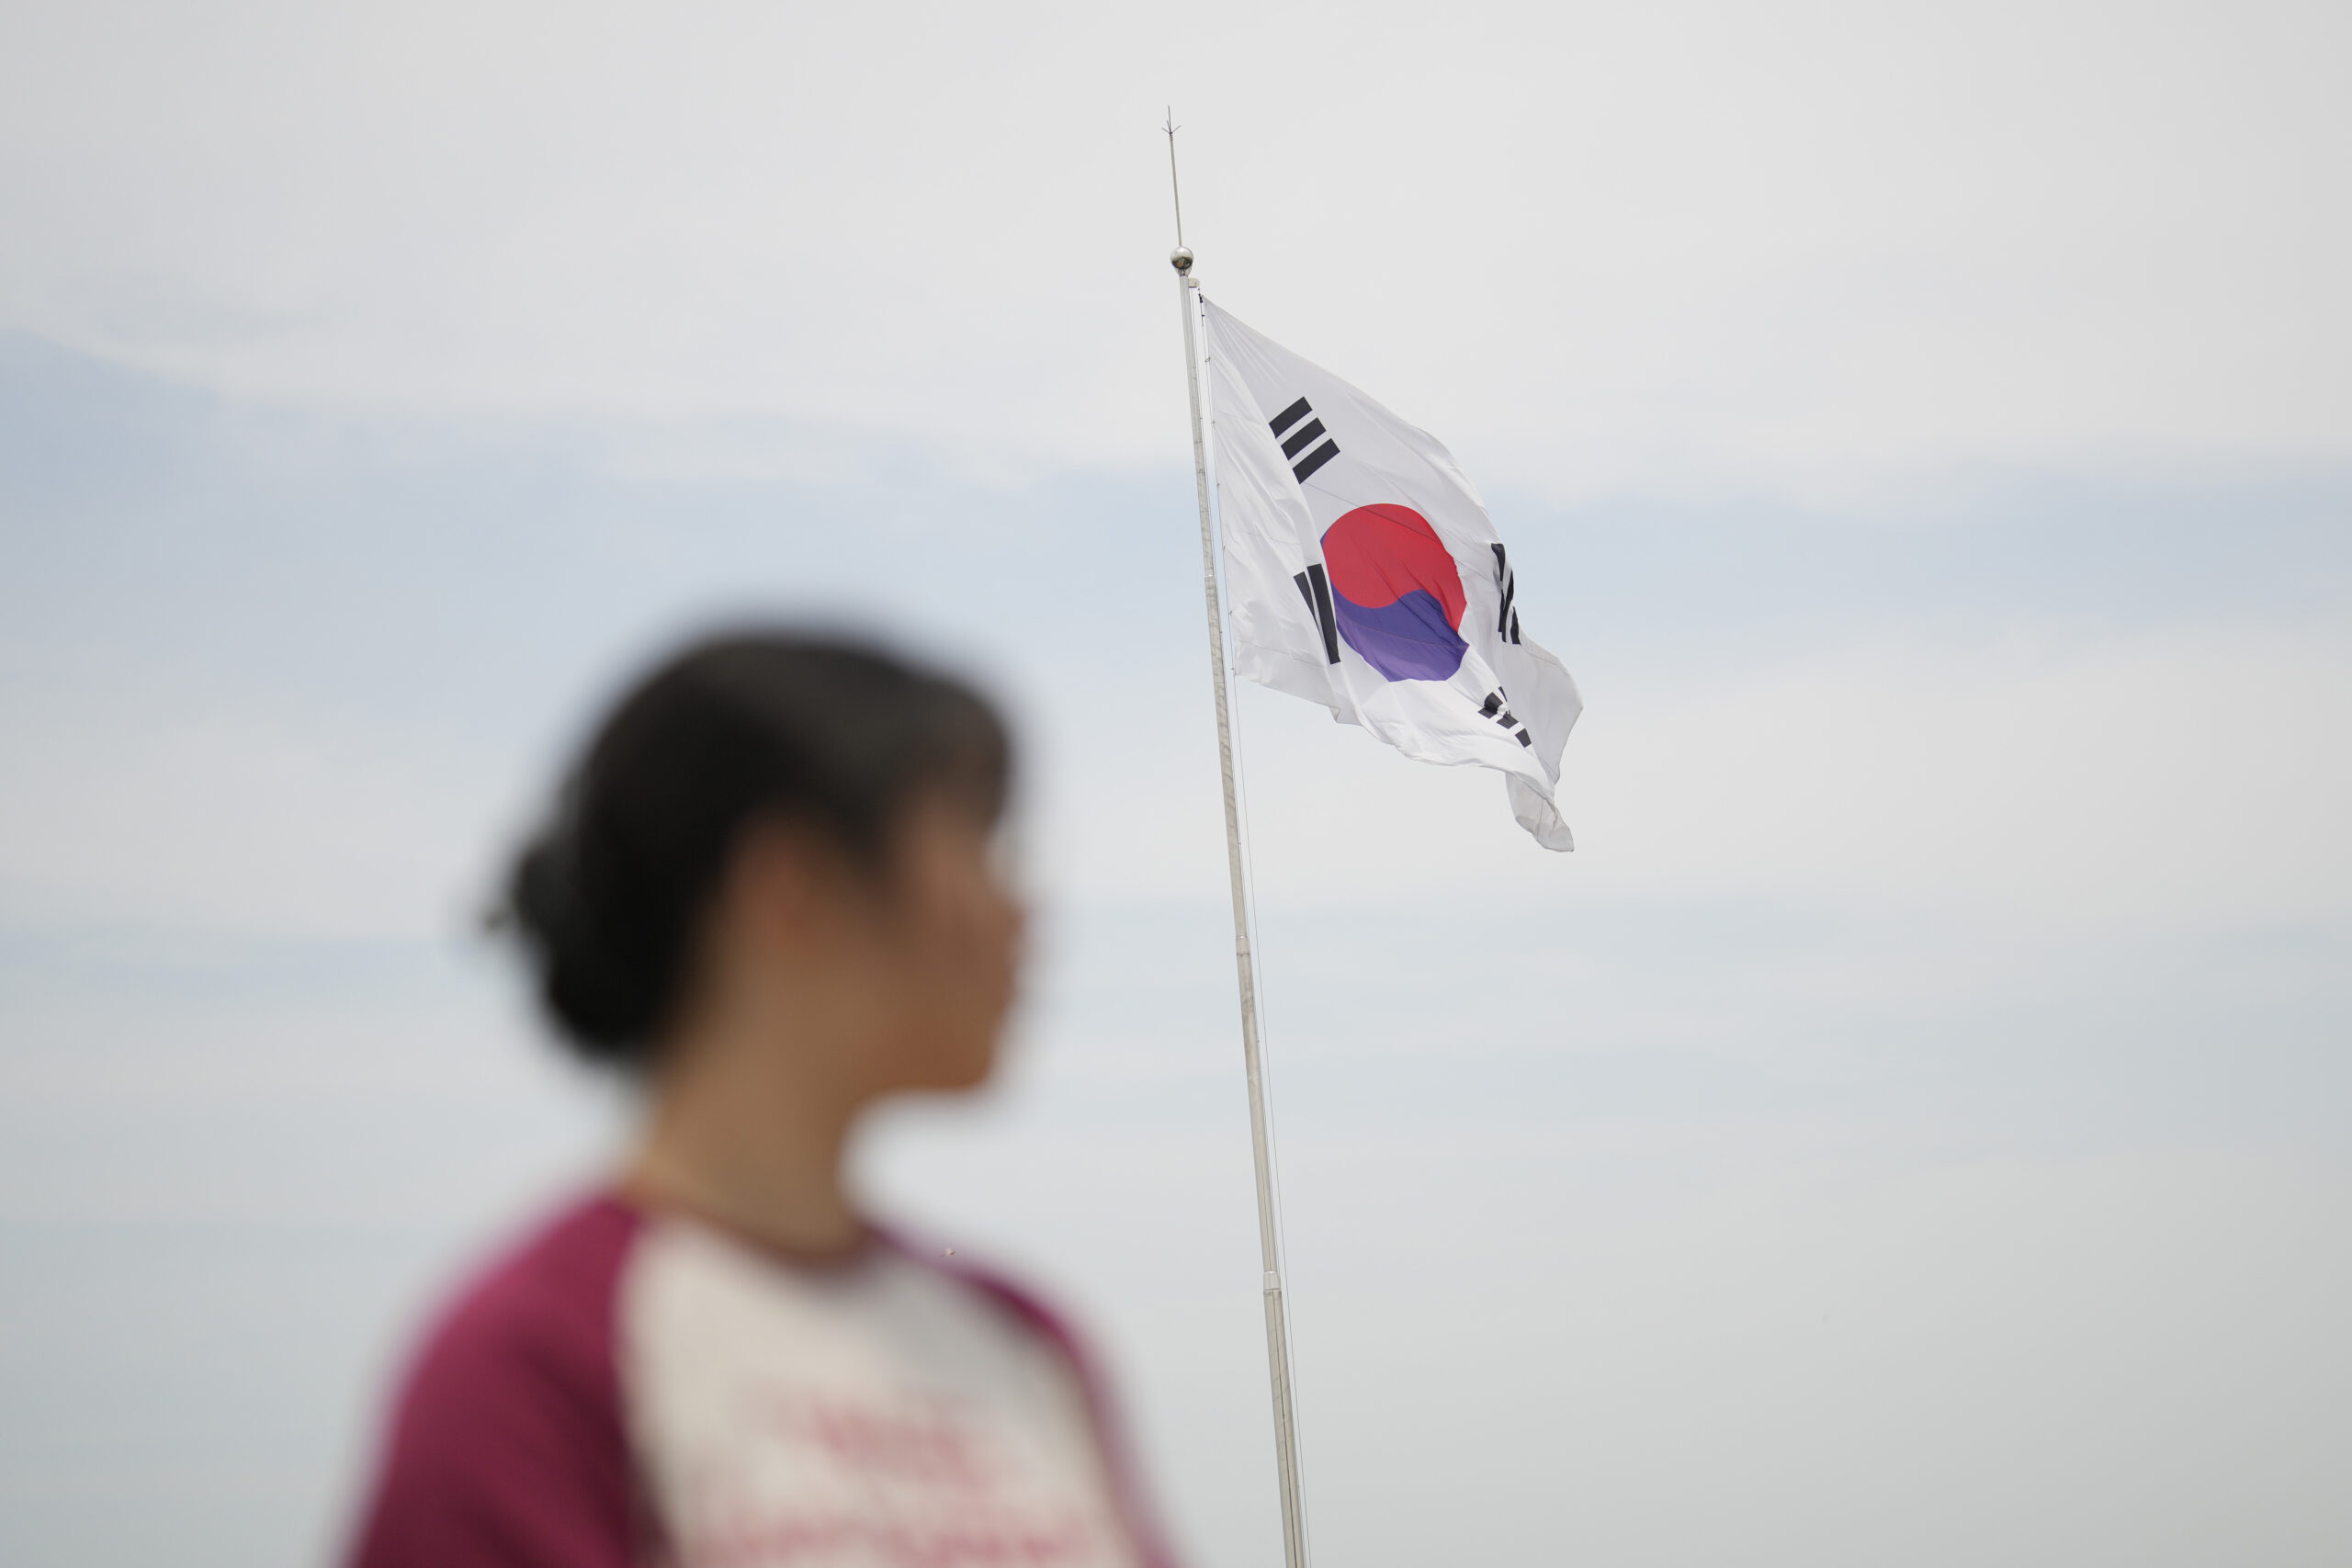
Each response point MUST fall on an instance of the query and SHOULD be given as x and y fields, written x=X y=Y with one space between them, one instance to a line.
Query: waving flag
x=1365 y=575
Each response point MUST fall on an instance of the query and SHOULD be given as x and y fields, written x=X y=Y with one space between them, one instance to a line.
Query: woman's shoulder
x=508 y=1441
x=554 y=1288
x=1036 y=1317
x=1002 y=1293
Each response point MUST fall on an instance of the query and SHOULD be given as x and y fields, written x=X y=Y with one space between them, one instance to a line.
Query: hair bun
x=584 y=977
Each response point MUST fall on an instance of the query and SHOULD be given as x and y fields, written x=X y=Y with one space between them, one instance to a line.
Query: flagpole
x=1269 y=1233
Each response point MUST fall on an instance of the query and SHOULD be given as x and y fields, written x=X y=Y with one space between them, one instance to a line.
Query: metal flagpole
x=1269 y=1237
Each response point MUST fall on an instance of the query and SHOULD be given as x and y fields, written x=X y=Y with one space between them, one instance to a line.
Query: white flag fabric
x=1364 y=574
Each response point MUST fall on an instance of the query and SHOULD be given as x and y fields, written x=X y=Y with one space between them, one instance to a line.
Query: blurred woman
x=766 y=892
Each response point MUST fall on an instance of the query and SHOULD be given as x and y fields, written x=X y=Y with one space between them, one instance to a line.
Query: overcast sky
x=1910 y=1128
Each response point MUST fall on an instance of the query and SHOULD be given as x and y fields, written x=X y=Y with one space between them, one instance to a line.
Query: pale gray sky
x=1910 y=1128
x=1789 y=243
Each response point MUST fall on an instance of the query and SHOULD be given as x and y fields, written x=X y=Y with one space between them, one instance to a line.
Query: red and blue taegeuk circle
x=1396 y=593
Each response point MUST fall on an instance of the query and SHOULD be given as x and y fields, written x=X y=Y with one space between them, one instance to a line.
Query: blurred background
x=1911 y=1128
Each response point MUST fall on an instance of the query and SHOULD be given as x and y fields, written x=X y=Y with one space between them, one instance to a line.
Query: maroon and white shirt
x=635 y=1389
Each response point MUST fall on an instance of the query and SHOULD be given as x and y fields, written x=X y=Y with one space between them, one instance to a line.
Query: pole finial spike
x=1176 y=190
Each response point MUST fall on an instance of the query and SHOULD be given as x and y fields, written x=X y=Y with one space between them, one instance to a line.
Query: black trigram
x=1315 y=589
x=1493 y=708
x=1506 y=621
x=1300 y=439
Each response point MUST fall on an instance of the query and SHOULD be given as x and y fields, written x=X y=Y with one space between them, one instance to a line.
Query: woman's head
x=782 y=832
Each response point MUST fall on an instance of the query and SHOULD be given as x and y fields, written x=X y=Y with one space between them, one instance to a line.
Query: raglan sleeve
x=508 y=1445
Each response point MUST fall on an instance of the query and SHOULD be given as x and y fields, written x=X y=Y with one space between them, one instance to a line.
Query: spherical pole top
x=1180 y=259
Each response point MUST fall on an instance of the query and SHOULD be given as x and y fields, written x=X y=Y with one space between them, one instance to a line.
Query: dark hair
x=739 y=728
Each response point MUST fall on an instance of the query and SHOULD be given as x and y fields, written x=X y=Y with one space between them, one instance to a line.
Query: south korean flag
x=1365 y=575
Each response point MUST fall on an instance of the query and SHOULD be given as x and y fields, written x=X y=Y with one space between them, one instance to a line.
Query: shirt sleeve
x=508 y=1447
